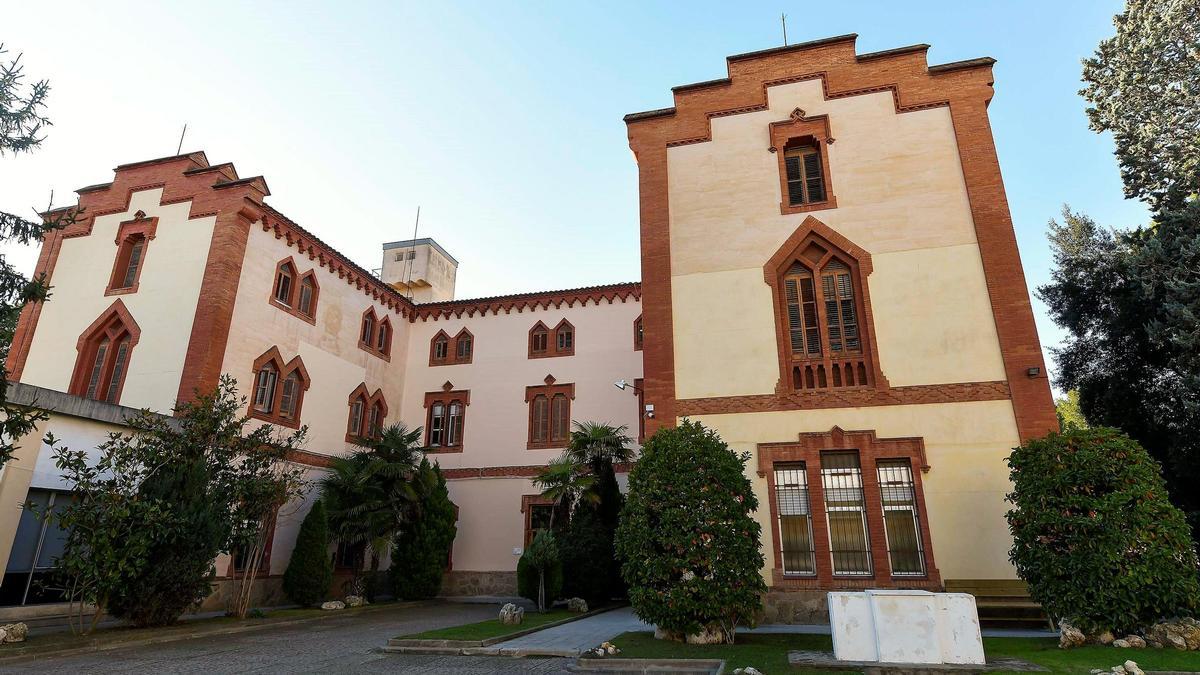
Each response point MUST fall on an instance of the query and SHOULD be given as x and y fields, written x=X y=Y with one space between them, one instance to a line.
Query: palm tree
x=370 y=494
x=563 y=480
x=593 y=449
x=596 y=444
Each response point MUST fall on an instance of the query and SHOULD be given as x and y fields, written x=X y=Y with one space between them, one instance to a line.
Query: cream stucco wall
x=329 y=348
x=497 y=419
x=490 y=523
x=163 y=307
x=964 y=488
x=900 y=196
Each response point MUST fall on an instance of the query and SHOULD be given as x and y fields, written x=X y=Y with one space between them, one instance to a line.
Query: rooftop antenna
x=408 y=262
x=181 y=135
x=783 y=20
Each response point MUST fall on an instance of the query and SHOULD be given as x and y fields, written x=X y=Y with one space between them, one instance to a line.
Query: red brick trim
x=807 y=448
x=446 y=396
x=296 y=365
x=530 y=301
x=797 y=127
x=86 y=345
x=313 y=459
x=965 y=88
x=142 y=227
x=845 y=398
x=523 y=471
x=292 y=306
x=814 y=231
x=550 y=389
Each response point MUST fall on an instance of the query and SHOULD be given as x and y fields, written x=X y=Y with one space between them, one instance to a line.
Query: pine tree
x=310 y=570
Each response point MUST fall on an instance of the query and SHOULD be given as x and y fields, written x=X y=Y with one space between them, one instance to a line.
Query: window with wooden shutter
x=447 y=419
x=549 y=414
x=805 y=179
x=278 y=389
x=539 y=427
x=105 y=349
x=264 y=390
x=823 y=334
x=560 y=412
x=132 y=240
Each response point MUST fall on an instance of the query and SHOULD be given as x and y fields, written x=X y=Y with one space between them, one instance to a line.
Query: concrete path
x=573 y=638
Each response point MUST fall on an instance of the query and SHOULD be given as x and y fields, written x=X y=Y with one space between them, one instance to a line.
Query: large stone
x=1120 y=644
x=512 y=615
x=709 y=635
x=355 y=601
x=1106 y=638
x=1182 y=634
x=578 y=605
x=1131 y=667
x=1135 y=641
x=15 y=632
x=1069 y=636
x=333 y=604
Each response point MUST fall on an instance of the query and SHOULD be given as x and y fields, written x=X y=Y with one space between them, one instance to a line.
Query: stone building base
x=469 y=583
x=795 y=607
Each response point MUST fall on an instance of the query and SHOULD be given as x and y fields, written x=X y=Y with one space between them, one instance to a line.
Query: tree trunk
x=542 y=590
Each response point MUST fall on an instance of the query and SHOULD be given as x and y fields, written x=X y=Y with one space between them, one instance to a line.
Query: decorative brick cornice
x=530 y=301
x=845 y=398
x=326 y=256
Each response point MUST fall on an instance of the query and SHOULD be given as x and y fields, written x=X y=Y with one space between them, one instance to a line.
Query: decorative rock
x=709 y=635
x=1070 y=636
x=1105 y=638
x=1121 y=644
x=355 y=601
x=578 y=605
x=748 y=670
x=1131 y=667
x=14 y=632
x=1135 y=641
x=1182 y=634
x=1119 y=670
x=333 y=604
x=511 y=615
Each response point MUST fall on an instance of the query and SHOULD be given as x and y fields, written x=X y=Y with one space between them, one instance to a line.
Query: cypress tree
x=423 y=546
x=310 y=571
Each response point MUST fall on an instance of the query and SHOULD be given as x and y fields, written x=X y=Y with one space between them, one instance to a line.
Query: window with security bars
x=845 y=512
x=795 y=519
x=901 y=523
x=805 y=180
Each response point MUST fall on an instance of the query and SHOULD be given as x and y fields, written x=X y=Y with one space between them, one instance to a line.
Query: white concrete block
x=853 y=627
x=895 y=626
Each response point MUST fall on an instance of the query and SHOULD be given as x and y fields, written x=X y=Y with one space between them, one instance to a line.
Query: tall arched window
x=437 y=425
x=133 y=238
x=439 y=349
x=104 y=351
x=560 y=418
x=539 y=340
x=446 y=418
x=464 y=346
x=367 y=334
x=278 y=389
x=306 y=303
x=639 y=334
x=375 y=334
x=285 y=282
x=817 y=278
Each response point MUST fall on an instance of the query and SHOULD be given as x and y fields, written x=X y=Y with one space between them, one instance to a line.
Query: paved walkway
x=573 y=638
x=339 y=644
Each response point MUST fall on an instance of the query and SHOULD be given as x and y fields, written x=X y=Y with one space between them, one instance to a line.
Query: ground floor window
x=900 y=520
x=795 y=519
x=29 y=578
x=539 y=516
x=846 y=513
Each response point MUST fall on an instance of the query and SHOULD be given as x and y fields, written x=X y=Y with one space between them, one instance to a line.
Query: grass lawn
x=768 y=652
x=492 y=628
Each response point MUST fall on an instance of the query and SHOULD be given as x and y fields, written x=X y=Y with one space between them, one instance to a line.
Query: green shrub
x=178 y=571
x=688 y=545
x=310 y=570
x=587 y=556
x=1094 y=535
x=541 y=554
x=423 y=545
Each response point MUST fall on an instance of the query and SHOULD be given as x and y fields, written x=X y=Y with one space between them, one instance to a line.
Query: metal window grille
x=845 y=513
x=795 y=519
x=902 y=526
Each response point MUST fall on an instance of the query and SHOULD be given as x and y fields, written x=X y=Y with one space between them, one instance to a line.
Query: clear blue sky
x=503 y=120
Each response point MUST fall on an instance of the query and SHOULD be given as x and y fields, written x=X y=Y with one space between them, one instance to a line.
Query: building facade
x=843 y=215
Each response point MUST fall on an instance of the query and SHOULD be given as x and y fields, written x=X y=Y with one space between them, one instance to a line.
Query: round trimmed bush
x=543 y=550
x=688 y=545
x=1094 y=535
